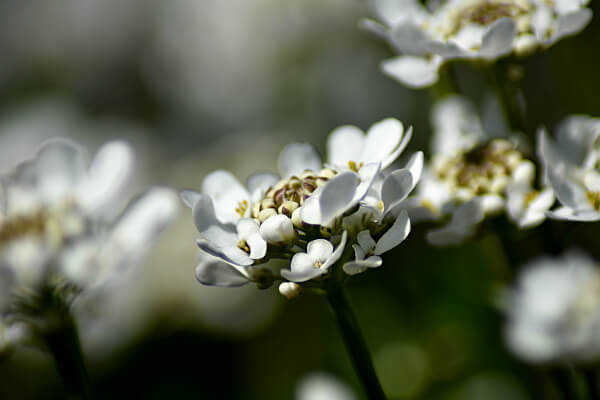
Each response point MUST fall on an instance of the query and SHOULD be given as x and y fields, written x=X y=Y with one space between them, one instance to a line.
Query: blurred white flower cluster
x=62 y=229
x=309 y=214
x=474 y=173
x=554 y=310
x=469 y=30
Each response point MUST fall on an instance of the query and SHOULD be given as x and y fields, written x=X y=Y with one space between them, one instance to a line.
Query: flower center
x=289 y=194
x=318 y=264
x=485 y=169
x=242 y=244
x=21 y=226
x=241 y=208
x=486 y=12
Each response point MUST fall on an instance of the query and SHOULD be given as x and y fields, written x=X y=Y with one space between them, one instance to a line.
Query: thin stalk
x=354 y=341
x=63 y=343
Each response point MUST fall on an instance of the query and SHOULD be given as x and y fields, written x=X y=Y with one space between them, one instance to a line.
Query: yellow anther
x=354 y=166
x=242 y=207
x=594 y=199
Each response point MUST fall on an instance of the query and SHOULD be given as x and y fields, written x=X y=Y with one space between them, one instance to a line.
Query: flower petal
x=568 y=193
x=227 y=195
x=359 y=266
x=337 y=253
x=395 y=235
x=345 y=144
x=571 y=23
x=498 y=40
x=107 y=176
x=382 y=138
x=231 y=254
x=277 y=229
x=409 y=38
x=212 y=272
x=413 y=71
x=396 y=187
x=365 y=241
x=461 y=226
x=319 y=249
x=335 y=198
x=296 y=158
x=258 y=246
x=387 y=161
x=246 y=227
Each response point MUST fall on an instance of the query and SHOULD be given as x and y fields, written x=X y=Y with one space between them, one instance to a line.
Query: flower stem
x=354 y=341
x=63 y=342
x=591 y=383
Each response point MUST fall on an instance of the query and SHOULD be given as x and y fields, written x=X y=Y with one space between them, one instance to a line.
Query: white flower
x=554 y=310
x=349 y=147
x=62 y=224
x=320 y=255
x=469 y=30
x=474 y=174
x=572 y=168
x=296 y=217
x=367 y=252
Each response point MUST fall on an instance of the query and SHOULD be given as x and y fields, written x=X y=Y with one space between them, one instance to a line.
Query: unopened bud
x=289 y=290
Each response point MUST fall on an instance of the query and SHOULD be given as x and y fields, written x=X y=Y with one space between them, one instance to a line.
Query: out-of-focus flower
x=572 y=168
x=307 y=217
x=469 y=30
x=321 y=386
x=59 y=231
x=474 y=174
x=554 y=310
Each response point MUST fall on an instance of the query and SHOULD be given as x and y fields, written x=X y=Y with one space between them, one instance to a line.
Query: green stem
x=63 y=342
x=354 y=341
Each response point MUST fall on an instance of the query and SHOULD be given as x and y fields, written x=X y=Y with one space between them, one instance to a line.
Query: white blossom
x=469 y=30
x=474 y=174
x=61 y=223
x=554 y=310
x=306 y=214
x=572 y=168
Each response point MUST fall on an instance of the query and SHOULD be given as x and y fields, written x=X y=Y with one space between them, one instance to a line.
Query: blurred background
x=197 y=85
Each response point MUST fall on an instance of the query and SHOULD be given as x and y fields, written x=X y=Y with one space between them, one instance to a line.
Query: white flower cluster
x=573 y=169
x=61 y=225
x=554 y=310
x=469 y=30
x=474 y=174
x=307 y=215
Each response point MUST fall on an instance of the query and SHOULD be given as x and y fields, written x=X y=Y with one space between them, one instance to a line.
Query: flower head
x=553 y=312
x=61 y=229
x=469 y=30
x=307 y=214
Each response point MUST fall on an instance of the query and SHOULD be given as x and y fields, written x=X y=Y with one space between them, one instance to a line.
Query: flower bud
x=289 y=289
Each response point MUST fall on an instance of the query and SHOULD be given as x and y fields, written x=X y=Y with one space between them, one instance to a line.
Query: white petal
x=382 y=138
x=258 y=246
x=107 y=176
x=302 y=268
x=569 y=214
x=227 y=194
x=460 y=227
x=410 y=39
x=568 y=193
x=319 y=249
x=333 y=200
x=387 y=161
x=212 y=230
x=395 y=235
x=365 y=241
x=296 y=158
x=213 y=272
x=337 y=253
x=59 y=167
x=571 y=23
x=359 y=266
x=412 y=71
x=396 y=187
x=368 y=175
x=231 y=255
x=277 y=229
x=190 y=197
x=498 y=40
x=246 y=227
x=345 y=144
x=415 y=166
x=359 y=253
x=144 y=219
